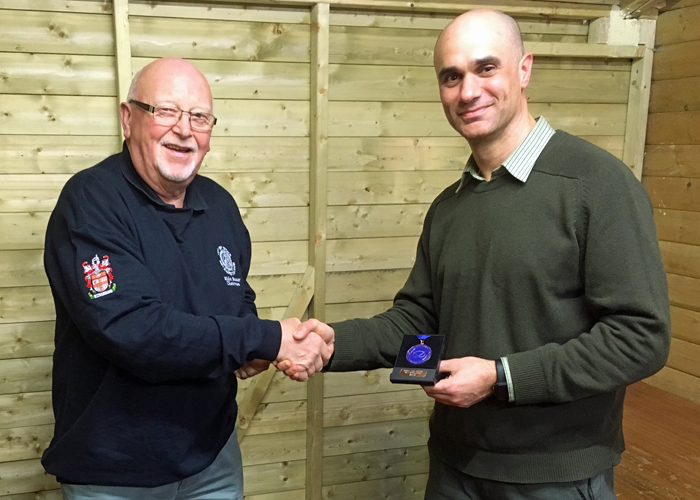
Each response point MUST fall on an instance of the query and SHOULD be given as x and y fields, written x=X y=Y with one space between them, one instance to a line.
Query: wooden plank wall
x=672 y=177
x=390 y=152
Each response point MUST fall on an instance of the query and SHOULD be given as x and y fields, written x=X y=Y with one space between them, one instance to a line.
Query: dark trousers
x=447 y=483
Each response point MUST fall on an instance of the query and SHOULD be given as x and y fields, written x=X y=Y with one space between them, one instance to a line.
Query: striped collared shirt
x=520 y=162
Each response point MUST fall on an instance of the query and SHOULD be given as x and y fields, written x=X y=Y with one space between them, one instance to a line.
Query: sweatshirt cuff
x=344 y=349
x=271 y=340
x=527 y=378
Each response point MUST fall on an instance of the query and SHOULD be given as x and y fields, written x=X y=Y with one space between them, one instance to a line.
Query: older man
x=148 y=262
x=542 y=270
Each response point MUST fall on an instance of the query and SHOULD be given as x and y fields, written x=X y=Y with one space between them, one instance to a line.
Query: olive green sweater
x=562 y=275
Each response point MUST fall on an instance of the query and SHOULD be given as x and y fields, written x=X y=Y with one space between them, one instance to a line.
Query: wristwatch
x=500 y=388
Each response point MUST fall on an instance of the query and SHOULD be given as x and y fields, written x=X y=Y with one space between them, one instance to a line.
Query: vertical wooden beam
x=638 y=101
x=638 y=113
x=122 y=52
x=318 y=164
x=618 y=30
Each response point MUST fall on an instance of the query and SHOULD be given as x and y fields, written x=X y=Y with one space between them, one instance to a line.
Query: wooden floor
x=662 y=433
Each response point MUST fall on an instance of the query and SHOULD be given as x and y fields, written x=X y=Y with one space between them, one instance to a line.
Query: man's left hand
x=470 y=381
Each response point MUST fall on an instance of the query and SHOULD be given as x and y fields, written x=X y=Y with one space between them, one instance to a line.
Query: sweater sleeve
x=132 y=327
x=625 y=290
x=366 y=344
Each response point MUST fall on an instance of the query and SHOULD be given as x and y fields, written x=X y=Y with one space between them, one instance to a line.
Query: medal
x=419 y=353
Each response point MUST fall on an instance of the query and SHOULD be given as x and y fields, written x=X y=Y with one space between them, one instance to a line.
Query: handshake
x=305 y=349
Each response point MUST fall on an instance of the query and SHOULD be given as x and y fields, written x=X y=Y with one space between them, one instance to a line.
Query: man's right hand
x=305 y=354
x=303 y=331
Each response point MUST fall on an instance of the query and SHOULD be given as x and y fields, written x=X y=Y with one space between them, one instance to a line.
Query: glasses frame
x=152 y=110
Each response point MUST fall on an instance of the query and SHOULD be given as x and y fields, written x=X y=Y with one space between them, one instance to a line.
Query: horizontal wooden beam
x=585 y=50
x=573 y=9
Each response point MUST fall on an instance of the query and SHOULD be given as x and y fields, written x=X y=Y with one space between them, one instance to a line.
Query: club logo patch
x=229 y=266
x=98 y=277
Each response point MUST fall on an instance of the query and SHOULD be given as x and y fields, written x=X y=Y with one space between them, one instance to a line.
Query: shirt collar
x=521 y=161
x=193 y=198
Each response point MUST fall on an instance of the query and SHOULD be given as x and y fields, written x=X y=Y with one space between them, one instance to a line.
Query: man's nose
x=470 y=88
x=182 y=127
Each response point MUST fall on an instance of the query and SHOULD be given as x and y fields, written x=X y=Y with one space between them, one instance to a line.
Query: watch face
x=500 y=391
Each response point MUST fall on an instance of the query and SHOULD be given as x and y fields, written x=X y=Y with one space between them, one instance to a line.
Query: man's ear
x=525 y=69
x=125 y=117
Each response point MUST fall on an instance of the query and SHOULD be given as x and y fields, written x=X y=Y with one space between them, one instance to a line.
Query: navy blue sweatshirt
x=153 y=315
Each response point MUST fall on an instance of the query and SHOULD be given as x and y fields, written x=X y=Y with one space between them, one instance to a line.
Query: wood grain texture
x=25 y=375
x=396 y=488
x=661 y=460
x=281 y=389
x=385 y=188
x=365 y=254
x=341 y=312
x=25 y=410
x=364 y=382
x=397 y=153
x=679 y=25
x=250 y=79
x=681 y=259
x=685 y=324
x=25 y=340
x=24 y=476
x=274 y=477
x=272 y=448
x=684 y=357
x=674 y=192
x=24 y=443
x=678 y=60
x=346 y=440
x=684 y=291
x=364 y=285
x=672 y=160
x=214 y=39
x=56 y=33
x=679 y=94
x=375 y=465
x=221 y=12
x=374 y=221
x=679 y=226
x=381 y=407
x=57 y=154
x=57 y=74
x=676 y=383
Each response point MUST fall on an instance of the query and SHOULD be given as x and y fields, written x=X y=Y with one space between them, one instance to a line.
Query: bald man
x=541 y=268
x=148 y=265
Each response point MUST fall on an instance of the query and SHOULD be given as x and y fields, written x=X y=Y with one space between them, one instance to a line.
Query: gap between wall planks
x=318 y=145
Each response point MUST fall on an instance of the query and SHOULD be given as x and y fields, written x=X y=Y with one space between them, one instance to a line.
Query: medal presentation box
x=418 y=360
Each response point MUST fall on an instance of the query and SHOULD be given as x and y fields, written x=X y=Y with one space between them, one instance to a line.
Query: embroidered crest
x=229 y=266
x=98 y=277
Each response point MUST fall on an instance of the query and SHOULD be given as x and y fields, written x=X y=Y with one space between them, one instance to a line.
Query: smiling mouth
x=178 y=149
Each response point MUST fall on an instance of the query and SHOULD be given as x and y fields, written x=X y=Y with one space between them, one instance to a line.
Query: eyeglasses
x=170 y=115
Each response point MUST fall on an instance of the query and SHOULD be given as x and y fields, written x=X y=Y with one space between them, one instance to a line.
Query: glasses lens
x=202 y=122
x=166 y=116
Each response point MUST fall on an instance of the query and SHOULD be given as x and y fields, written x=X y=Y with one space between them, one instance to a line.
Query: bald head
x=484 y=21
x=162 y=71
